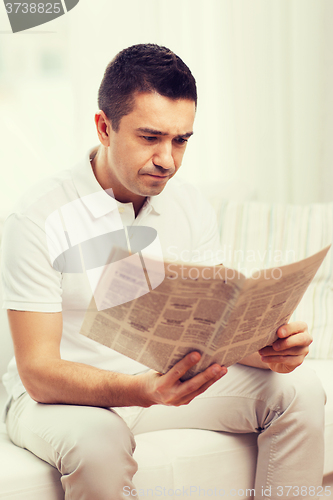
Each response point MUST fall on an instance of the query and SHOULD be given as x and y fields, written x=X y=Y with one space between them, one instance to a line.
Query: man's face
x=149 y=146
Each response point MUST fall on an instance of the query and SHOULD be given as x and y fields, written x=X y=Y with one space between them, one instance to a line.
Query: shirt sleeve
x=29 y=281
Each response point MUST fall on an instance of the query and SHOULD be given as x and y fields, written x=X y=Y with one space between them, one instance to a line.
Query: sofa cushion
x=190 y=459
x=260 y=235
x=25 y=477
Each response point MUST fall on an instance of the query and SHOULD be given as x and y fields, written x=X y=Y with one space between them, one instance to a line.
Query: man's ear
x=103 y=127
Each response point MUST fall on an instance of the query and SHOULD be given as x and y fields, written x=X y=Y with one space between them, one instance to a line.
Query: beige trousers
x=93 y=447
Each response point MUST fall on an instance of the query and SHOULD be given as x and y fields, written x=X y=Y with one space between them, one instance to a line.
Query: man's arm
x=286 y=353
x=49 y=379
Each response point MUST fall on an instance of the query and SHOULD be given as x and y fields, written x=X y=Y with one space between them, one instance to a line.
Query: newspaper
x=216 y=311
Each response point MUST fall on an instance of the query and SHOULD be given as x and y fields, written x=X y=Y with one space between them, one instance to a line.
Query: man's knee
x=99 y=463
x=300 y=394
x=99 y=438
x=302 y=386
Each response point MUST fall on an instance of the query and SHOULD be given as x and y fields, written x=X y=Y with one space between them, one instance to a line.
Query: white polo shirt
x=185 y=223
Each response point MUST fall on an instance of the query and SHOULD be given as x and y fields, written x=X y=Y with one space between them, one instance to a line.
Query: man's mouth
x=158 y=176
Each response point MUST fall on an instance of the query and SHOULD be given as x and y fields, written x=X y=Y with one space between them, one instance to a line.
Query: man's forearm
x=60 y=381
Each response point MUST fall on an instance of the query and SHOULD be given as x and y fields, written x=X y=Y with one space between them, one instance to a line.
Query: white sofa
x=179 y=463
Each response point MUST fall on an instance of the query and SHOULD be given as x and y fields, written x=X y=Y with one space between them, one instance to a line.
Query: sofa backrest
x=262 y=235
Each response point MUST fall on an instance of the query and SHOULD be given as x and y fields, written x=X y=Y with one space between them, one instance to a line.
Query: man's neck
x=106 y=180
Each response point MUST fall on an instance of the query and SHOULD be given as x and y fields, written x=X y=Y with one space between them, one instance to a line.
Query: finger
x=292 y=351
x=189 y=397
x=291 y=328
x=294 y=340
x=304 y=351
x=196 y=384
x=179 y=369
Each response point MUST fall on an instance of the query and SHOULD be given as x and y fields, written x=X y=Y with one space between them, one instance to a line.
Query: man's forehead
x=138 y=97
x=154 y=113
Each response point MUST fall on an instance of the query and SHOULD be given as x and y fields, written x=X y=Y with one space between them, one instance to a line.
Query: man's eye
x=180 y=140
x=149 y=138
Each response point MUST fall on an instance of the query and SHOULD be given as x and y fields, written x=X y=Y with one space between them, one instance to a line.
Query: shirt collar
x=151 y=204
x=86 y=185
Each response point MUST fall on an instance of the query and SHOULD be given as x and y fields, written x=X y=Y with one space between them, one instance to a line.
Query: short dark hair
x=143 y=68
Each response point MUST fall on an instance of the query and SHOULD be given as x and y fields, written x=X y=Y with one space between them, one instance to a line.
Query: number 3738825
x=33 y=8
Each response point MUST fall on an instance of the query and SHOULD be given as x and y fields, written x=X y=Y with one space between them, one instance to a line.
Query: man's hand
x=168 y=389
x=289 y=351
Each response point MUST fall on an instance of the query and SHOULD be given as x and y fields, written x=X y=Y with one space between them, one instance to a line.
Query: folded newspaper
x=216 y=311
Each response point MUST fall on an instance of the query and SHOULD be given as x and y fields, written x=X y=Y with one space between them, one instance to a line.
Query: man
x=94 y=398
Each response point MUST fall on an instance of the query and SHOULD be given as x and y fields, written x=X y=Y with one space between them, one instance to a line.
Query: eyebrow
x=158 y=132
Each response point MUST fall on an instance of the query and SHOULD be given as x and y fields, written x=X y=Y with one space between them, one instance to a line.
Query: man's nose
x=163 y=156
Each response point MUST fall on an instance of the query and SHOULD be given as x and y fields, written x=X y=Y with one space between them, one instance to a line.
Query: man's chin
x=154 y=188
x=154 y=191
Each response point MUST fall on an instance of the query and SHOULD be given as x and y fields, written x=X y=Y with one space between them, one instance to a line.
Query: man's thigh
x=245 y=400
x=53 y=432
